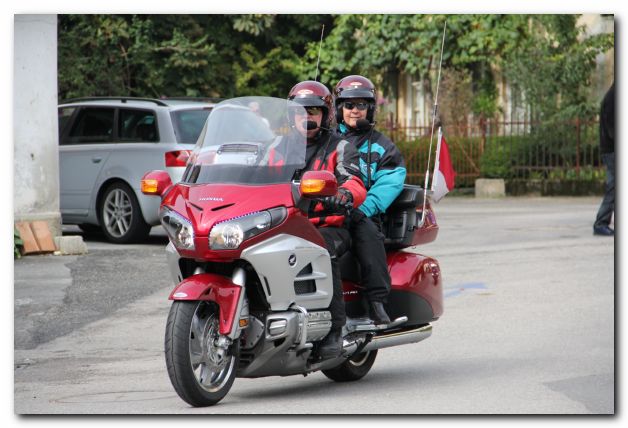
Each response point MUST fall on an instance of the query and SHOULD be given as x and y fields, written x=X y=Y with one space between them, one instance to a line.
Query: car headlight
x=229 y=234
x=178 y=228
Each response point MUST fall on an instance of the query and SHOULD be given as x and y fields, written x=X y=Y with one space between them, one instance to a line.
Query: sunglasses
x=350 y=105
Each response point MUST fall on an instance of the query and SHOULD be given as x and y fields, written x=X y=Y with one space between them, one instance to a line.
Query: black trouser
x=368 y=248
x=338 y=242
x=607 y=207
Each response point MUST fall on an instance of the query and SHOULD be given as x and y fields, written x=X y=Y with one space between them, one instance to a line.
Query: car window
x=93 y=125
x=64 y=116
x=188 y=124
x=137 y=125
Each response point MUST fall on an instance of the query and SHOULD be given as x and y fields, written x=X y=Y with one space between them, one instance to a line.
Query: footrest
x=366 y=324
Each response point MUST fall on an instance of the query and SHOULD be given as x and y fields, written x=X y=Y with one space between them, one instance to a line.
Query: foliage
x=587 y=173
x=375 y=45
x=547 y=58
x=496 y=163
x=553 y=67
x=183 y=55
x=17 y=243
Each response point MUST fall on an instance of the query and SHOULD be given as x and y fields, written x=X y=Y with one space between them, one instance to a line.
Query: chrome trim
x=302 y=325
x=399 y=338
x=239 y=278
x=310 y=276
x=277 y=327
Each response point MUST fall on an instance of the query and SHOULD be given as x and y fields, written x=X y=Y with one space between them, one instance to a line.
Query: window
x=137 y=125
x=64 y=117
x=188 y=124
x=93 y=125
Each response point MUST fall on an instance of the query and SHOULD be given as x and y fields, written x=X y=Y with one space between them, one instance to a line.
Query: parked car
x=107 y=144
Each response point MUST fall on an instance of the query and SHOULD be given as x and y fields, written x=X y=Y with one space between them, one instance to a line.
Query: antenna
x=320 y=45
x=429 y=156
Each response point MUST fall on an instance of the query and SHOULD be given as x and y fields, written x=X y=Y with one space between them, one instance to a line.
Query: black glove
x=341 y=201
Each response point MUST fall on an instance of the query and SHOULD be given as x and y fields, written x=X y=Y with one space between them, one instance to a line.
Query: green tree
x=183 y=55
x=554 y=65
x=544 y=55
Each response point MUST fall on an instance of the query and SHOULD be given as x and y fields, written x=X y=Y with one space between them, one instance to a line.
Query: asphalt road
x=528 y=327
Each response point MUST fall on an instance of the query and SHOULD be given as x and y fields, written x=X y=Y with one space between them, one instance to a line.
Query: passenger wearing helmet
x=326 y=150
x=383 y=173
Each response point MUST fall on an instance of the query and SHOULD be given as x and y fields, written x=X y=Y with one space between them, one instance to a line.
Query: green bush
x=496 y=163
x=17 y=243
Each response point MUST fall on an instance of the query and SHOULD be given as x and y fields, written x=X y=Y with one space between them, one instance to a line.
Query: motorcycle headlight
x=178 y=228
x=228 y=235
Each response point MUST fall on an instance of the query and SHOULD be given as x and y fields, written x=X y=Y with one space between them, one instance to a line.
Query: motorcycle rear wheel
x=354 y=368
x=201 y=371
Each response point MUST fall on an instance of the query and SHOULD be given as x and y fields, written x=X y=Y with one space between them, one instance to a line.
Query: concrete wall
x=35 y=141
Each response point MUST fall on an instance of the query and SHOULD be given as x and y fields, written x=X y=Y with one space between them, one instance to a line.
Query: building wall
x=35 y=139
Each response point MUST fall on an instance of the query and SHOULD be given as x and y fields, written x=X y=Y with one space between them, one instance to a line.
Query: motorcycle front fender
x=214 y=288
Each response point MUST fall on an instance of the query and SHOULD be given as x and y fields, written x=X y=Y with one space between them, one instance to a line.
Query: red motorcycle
x=253 y=276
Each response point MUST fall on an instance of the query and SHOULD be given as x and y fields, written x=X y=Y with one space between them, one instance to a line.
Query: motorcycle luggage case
x=400 y=222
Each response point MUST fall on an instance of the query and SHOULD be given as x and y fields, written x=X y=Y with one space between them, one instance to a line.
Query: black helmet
x=355 y=86
x=313 y=94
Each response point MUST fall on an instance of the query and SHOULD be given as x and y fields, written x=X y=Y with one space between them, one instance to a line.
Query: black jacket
x=607 y=122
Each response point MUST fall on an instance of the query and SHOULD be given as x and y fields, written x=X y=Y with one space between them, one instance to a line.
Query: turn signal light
x=312 y=185
x=150 y=186
x=155 y=183
x=318 y=183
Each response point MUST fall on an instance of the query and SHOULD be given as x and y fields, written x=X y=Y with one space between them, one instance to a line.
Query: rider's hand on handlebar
x=341 y=201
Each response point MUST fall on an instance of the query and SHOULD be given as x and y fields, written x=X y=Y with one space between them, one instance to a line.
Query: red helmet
x=355 y=86
x=313 y=94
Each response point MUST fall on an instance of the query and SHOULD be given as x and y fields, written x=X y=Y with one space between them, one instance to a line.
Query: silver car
x=105 y=147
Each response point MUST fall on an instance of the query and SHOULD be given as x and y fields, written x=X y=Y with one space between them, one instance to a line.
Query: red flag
x=444 y=174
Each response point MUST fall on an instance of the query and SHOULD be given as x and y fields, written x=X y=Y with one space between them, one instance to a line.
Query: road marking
x=457 y=290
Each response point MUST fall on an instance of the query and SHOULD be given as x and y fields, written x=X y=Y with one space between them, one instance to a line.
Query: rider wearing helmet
x=326 y=150
x=383 y=173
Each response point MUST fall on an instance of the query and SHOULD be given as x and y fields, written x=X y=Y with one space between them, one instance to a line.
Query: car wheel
x=120 y=215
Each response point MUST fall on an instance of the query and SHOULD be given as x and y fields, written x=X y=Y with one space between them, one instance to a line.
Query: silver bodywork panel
x=172 y=255
x=278 y=262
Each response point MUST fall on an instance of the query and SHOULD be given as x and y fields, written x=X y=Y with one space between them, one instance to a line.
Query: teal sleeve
x=387 y=185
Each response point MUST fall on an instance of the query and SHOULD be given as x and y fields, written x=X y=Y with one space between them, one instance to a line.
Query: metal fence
x=510 y=150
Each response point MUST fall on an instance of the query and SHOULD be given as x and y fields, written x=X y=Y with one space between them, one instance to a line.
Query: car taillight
x=177 y=158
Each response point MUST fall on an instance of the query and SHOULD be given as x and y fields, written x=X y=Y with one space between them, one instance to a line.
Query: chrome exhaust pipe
x=399 y=338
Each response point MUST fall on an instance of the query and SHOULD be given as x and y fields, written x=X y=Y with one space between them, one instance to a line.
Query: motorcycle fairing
x=284 y=263
x=215 y=288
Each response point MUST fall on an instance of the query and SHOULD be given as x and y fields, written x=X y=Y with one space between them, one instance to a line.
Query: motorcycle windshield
x=249 y=140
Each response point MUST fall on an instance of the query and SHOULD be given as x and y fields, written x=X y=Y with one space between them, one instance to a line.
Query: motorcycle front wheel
x=354 y=368
x=201 y=366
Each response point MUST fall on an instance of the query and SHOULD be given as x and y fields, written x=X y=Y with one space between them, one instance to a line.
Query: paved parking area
x=528 y=327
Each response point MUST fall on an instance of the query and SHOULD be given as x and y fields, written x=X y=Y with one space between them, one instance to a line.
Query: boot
x=378 y=313
x=331 y=346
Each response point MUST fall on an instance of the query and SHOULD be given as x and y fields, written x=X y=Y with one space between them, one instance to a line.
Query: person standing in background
x=607 y=152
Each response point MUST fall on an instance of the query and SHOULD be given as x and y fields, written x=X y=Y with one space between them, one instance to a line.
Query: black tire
x=90 y=229
x=204 y=382
x=354 y=368
x=120 y=215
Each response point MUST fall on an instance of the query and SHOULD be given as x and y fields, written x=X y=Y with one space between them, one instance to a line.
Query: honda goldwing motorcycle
x=253 y=277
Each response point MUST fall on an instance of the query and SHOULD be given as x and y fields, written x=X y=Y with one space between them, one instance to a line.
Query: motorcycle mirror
x=318 y=183
x=156 y=183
